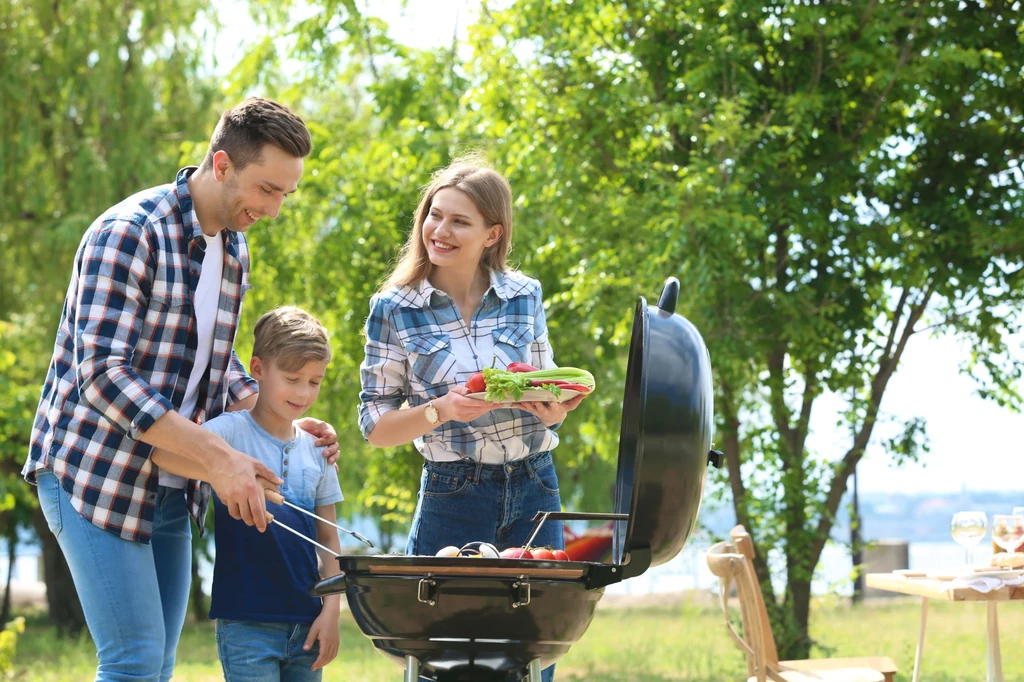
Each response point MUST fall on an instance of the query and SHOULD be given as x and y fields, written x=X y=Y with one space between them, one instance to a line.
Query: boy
x=267 y=626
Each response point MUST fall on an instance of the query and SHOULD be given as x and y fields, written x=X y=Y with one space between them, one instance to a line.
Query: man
x=143 y=355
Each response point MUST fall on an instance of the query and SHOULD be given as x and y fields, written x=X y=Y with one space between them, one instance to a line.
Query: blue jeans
x=265 y=652
x=462 y=502
x=134 y=596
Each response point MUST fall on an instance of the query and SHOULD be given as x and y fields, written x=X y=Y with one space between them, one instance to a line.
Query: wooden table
x=934 y=589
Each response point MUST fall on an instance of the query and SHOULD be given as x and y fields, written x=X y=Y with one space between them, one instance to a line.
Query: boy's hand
x=324 y=629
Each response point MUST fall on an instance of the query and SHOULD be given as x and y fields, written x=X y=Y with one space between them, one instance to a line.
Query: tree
x=97 y=98
x=827 y=180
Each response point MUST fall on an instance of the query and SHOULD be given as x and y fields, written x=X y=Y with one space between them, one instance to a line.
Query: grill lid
x=665 y=439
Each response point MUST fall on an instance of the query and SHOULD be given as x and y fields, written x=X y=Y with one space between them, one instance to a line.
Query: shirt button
x=286 y=462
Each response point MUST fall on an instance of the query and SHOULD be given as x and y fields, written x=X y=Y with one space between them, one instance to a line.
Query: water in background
x=689 y=569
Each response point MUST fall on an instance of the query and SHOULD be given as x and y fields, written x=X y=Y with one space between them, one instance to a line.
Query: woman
x=450 y=308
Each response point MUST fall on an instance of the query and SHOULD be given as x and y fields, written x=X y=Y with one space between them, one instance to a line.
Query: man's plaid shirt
x=418 y=348
x=125 y=348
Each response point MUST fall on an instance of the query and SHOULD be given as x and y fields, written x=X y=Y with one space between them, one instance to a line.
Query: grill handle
x=333 y=585
x=541 y=517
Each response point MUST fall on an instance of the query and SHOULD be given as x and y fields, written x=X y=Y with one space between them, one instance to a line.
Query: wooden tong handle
x=274 y=496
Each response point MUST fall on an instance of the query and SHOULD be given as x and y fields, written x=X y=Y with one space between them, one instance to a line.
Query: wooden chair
x=732 y=563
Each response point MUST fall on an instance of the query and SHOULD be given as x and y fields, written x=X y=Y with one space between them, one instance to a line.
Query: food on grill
x=516 y=553
x=543 y=554
x=560 y=555
x=484 y=550
x=450 y=550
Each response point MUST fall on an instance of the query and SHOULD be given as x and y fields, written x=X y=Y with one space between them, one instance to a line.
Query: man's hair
x=244 y=129
x=290 y=337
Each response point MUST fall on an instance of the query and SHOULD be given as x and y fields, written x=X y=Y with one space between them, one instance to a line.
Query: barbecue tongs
x=278 y=498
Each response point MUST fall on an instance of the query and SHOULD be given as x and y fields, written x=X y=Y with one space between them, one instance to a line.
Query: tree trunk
x=61 y=596
x=797 y=644
x=12 y=555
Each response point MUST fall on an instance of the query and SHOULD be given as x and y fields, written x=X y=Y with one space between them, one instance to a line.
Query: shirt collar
x=420 y=294
x=188 y=212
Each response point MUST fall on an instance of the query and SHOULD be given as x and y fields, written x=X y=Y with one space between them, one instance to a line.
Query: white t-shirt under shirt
x=205 y=302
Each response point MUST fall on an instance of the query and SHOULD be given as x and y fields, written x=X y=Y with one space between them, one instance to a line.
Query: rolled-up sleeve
x=111 y=308
x=382 y=375
x=240 y=384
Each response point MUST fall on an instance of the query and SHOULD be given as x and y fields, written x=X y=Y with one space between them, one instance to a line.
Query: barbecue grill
x=455 y=619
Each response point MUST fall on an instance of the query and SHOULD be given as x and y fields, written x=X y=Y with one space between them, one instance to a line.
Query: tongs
x=278 y=498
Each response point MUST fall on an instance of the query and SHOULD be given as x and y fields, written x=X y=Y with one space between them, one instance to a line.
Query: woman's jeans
x=266 y=652
x=134 y=596
x=462 y=502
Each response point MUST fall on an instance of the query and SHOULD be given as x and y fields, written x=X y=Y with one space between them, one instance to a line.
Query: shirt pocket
x=310 y=482
x=431 y=358
x=512 y=343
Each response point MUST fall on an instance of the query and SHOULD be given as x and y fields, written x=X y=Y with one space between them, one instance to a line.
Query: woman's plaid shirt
x=418 y=348
x=125 y=348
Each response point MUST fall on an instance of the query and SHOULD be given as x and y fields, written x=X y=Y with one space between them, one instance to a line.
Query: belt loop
x=478 y=473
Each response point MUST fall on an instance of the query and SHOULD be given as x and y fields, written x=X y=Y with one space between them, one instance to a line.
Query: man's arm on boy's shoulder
x=325 y=627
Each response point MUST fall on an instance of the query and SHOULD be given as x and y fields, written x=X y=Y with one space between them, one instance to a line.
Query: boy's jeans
x=462 y=502
x=265 y=652
x=134 y=596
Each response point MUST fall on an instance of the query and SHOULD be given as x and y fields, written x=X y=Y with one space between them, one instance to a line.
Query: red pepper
x=576 y=387
x=521 y=367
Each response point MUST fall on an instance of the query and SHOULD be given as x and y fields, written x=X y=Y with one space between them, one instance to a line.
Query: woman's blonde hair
x=487 y=189
x=290 y=337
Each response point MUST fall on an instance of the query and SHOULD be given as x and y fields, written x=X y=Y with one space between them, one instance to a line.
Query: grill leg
x=412 y=669
x=535 y=670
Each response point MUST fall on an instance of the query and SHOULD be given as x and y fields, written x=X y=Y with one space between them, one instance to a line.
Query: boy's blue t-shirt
x=265 y=577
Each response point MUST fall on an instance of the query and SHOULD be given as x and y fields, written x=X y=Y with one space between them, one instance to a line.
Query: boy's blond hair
x=291 y=337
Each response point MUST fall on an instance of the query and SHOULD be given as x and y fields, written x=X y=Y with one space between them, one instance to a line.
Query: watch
x=431 y=414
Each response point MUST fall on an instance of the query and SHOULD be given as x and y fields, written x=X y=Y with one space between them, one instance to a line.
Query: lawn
x=676 y=639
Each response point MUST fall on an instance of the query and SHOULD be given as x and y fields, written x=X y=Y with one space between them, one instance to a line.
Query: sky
x=975 y=444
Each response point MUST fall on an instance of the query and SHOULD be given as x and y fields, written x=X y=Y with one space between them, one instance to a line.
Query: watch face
x=431 y=413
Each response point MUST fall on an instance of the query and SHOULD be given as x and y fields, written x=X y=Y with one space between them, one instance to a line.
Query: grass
x=676 y=639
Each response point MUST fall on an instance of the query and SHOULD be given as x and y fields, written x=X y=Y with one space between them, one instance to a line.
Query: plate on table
x=533 y=395
x=968 y=573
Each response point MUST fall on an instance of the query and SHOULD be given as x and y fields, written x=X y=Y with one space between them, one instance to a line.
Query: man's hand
x=550 y=414
x=325 y=435
x=324 y=629
x=233 y=476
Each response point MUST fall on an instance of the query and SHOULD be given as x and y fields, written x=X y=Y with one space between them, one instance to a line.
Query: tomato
x=543 y=554
x=516 y=553
x=560 y=555
x=476 y=383
x=521 y=367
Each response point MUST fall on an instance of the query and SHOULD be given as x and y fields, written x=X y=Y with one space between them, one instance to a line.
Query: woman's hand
x=455 y=406
x=550 y=414
x=325 y=434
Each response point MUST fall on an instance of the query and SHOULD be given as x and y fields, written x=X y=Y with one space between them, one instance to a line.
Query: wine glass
x=967 y=529
x=1008 y=531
